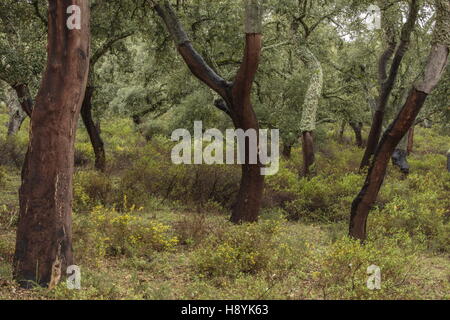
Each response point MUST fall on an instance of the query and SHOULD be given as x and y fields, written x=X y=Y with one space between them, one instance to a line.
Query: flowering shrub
x=247 y=248
x=340 y=270
x=110 y=232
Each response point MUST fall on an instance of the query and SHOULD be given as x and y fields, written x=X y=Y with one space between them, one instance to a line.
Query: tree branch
x=107 y=46
x=193 y=59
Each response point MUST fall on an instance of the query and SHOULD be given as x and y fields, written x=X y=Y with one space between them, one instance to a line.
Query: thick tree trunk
x=308 y=152
x=44 y=234
x=248 y=201
x=94 y=134
x=357 y=129
x=434 y=69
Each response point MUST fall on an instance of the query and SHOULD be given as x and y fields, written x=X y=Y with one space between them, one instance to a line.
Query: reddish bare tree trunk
x=308 y=152
x=248 y=202
x=387 y=81
x=236 y=97
x=367 y=196
x=44 y=234
x=434 y=69
x=93 y=132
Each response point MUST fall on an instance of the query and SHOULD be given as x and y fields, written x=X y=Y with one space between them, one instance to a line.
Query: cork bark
x=44 y=234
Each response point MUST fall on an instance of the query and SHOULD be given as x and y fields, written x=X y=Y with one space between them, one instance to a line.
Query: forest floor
x=139 y=234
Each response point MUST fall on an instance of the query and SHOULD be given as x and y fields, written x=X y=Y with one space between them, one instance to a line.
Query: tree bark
x=44 y=234
x=434 y=69
x=342 y=131
x=236 y=96
x=308 y=152
x=16 y=114
x=15 y=122
x=93 y=132
x=310 y=106
x=368 y=194
x=23 y=93
x=387 y=81
x=357 y=129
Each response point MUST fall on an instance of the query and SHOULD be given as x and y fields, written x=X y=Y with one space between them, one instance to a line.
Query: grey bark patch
x=437 y=61
x=253 y=16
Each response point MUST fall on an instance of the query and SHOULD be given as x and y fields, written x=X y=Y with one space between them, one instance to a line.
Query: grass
x=171 y=275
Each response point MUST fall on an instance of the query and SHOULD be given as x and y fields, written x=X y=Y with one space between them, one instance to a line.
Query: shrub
x=199 y=185
x=247 y=248
x=91 y=188
x=193 y=229
x=324 y=198
x=340 y=270
x=423 y=216
x=109 y=232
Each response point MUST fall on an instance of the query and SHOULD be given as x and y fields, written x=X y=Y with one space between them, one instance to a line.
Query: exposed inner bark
x=44 y=234
x=248 y=201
